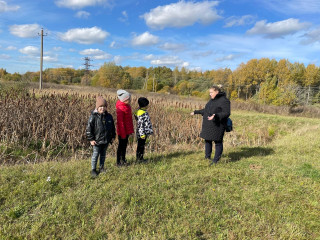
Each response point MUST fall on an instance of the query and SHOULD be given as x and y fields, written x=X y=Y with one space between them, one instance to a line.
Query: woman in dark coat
x=215 y=115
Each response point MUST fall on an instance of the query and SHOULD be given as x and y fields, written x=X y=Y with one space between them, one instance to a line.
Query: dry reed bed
x=298 y=111
x=52 y=125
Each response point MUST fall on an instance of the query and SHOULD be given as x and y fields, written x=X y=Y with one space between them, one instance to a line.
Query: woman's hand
x=93 y=143
x=211 y=118
x=192 y=113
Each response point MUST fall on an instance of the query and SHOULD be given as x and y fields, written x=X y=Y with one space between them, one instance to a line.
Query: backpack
x=229 y=126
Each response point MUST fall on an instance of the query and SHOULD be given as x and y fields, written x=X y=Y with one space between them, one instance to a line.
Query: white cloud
x=91 y=52
x=25 y=30
x=96 y=54
x=172 y=47
x=124 y=17
x=10 y=48
x=56 y=49
x=102 y=56
x=78 y=4
x=50 y=59
x=30 y=50
x=229 y=57
x=312 y=37
x=185 y=64
x=182 y=14
x=247 y=47
x=294 y=6
x=239 y=21
x=4 y=7
x=145 y=39
x=169 y=61
x=4 y=56
x=84 y=35
x=278 y=29
x=82 y=14
x=202 y=54
x=113 y=44
x=149 y=57
x=118 y=59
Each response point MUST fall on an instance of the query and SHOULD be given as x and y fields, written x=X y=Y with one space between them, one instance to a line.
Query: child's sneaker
x=102 y=170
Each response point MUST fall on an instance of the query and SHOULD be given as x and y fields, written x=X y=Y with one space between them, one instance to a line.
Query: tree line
x=264 y=80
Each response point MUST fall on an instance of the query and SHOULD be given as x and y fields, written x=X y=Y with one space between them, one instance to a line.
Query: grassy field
x=268 y=191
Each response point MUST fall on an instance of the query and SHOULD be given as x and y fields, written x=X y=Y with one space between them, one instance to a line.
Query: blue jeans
x=99 y=150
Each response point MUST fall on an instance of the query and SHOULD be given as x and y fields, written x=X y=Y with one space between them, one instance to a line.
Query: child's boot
x=94 y=173
x=102 y=170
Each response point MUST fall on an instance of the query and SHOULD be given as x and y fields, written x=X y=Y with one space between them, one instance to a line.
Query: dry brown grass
x=53 y=124
x=50 y=124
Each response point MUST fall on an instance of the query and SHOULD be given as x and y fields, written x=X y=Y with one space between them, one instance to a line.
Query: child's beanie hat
x=123 y=95
x=100 y=102
x=143 y=102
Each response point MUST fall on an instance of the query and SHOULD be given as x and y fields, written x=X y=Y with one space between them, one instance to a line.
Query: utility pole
x=87 y=69
x=41 y=58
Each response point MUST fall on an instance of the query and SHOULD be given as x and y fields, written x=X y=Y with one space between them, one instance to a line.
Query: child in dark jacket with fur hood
x=100 y=132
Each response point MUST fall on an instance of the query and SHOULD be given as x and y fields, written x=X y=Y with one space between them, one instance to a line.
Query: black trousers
x=140 y=148
x=122 y=148
x=218 y=149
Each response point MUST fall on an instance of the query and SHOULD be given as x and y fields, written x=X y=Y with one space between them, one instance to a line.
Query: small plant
x=271 y=131
x=16 y=212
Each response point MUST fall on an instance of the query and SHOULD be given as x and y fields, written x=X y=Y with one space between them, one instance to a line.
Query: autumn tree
x=109 y=75
x=297 y=73
x=312 y=76
x=3 y=72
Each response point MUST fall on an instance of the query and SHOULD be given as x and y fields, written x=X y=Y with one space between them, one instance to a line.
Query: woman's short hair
x=217 y=87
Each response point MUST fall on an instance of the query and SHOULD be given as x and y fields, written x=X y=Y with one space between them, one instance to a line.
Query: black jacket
x=100 y=128
x=214 y=130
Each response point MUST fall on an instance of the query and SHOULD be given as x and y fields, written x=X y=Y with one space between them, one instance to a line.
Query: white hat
x=123 y=95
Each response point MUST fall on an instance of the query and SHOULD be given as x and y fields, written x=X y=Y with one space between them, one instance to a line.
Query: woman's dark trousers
x=218 y=150
x=140 y=148
x=121 y=152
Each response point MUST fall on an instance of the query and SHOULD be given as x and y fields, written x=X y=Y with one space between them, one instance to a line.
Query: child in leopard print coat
x=144 y=126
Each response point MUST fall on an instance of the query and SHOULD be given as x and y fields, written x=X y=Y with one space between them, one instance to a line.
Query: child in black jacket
x=100 y=132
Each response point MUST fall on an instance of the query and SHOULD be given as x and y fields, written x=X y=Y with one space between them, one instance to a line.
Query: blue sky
x=198 y=35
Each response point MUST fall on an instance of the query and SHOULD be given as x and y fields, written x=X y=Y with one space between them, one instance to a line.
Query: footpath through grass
x=269 y=192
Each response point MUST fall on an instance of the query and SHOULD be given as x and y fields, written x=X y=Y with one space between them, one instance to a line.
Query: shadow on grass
x=168 y=156
x=246 y=152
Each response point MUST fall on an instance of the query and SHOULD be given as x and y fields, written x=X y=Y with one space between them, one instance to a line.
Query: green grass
x=258 y=192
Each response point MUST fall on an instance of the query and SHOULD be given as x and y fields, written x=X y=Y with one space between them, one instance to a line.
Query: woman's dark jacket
x=213 y=130
x=100 y=128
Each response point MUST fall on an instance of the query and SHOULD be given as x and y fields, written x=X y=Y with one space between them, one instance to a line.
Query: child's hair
x=217 y=87
x=143 y=102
